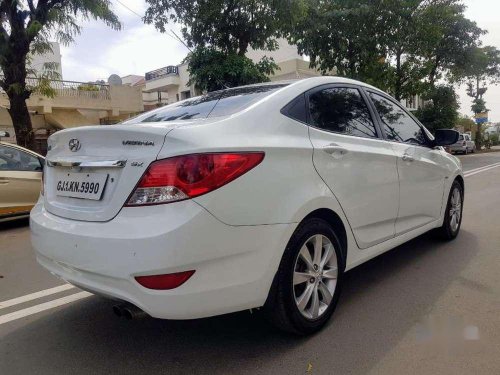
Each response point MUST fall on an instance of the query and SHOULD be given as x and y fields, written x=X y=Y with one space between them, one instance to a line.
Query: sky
x=137 y=48
x=100 y=51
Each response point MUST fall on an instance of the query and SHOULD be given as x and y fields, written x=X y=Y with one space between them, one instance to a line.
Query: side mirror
x=4 y=134
x=445 y=137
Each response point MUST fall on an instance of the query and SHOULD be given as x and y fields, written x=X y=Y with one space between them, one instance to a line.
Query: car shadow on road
x=381 y=302
x=14 y=224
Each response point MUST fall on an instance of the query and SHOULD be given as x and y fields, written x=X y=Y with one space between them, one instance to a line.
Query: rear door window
x=341 y=110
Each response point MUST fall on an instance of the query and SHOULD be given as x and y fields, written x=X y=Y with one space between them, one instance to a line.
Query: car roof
x=293 y=86
x=323 y=80
x=311 y=81
x=21 y=148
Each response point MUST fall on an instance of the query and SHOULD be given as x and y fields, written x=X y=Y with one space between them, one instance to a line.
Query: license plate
x=81 y=185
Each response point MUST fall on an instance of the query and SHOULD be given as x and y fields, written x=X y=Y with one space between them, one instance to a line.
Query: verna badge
x=74 y=144
x=137 y=143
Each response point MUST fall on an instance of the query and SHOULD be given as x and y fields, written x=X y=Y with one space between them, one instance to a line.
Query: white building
x=170 y=83
x=167 y=85
x=285 y=52
x=493 y=129
x=37 y=62
x=414 y=103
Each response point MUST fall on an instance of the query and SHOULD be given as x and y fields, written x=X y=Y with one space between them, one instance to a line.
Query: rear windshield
x=214 y=104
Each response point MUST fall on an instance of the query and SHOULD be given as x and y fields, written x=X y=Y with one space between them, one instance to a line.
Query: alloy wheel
x=315 y=276
x=455 y=209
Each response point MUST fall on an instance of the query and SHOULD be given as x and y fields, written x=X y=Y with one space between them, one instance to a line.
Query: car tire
x=305 y=291
x=454 y=209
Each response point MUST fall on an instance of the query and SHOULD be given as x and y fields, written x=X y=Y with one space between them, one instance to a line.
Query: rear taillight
x=189 y=176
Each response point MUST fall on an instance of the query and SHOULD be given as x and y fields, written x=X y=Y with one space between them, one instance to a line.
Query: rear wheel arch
x=334 y=220
x=280 y=307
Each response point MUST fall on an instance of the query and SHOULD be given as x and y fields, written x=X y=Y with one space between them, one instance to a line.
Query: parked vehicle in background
x=20 y=180
x=255 y=196
x=464 y=145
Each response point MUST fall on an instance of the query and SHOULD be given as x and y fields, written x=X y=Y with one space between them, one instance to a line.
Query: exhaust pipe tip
x=118 y=310
x=128 y=311
x=132 y=312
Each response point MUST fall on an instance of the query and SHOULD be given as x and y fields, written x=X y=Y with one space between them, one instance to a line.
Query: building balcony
x=163 y=79
x=85 y=96
x=162 y=72
x=77 y=104
x=77 y=89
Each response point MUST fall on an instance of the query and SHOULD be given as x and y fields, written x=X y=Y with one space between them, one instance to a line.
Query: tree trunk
x=479 y=137
x=14 y=83
x=242 y=47
x=21 y=120
x=433 y=73
x=398 y=83
x=351 y=62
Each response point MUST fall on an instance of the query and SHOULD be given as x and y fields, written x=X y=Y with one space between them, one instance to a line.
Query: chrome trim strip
x=87 y=164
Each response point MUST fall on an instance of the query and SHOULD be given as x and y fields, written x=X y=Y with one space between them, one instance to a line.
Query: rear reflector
x=188 y=176
x=164 y=282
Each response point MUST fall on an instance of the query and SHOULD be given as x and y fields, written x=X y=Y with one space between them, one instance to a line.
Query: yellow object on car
x=20 y=180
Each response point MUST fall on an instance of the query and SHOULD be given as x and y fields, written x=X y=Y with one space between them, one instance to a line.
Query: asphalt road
x=473 y=161
x=427 y=307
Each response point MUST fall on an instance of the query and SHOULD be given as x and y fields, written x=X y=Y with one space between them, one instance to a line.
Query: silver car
x=464 y=145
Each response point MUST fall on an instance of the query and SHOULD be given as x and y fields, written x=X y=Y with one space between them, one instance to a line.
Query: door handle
x=407 y=157
x=333 y=148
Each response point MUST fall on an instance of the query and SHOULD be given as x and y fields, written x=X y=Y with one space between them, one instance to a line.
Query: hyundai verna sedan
x=253 y=197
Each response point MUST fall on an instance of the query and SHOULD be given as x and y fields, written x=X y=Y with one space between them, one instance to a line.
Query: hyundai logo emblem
x=74 y=144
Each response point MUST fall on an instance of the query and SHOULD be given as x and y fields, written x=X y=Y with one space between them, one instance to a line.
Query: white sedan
x=253 y=197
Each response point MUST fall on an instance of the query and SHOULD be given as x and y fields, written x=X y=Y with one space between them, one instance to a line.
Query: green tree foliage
x=340 y=36
x=40 y=82
x=228 y=25
x=479 y=68
x=494 y=139
x=402 y=46
x=211 y=69
x=445 y=35
x=466 y=123
x=220 y=32
x=25 y=26
x=402 y=21
x=440 y=110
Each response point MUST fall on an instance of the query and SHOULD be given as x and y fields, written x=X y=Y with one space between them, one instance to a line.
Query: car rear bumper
x=458 y=148
x=234 y=265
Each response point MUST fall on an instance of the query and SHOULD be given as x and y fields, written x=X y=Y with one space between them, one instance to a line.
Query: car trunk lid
x=91 y=171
